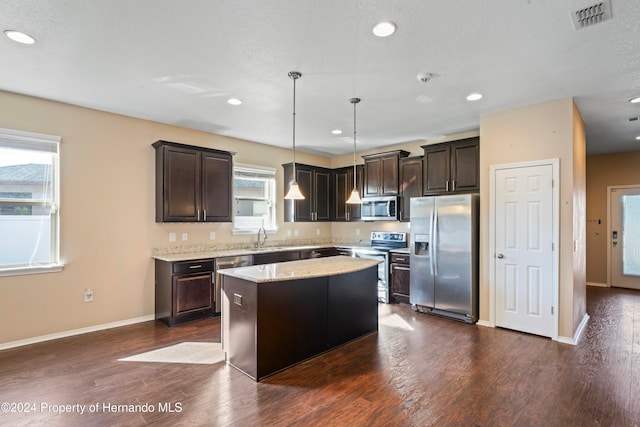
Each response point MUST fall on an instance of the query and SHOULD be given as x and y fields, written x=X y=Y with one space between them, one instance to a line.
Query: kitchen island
x=277 y=315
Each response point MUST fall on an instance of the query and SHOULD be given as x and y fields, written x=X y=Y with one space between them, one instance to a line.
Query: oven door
x=383 y=270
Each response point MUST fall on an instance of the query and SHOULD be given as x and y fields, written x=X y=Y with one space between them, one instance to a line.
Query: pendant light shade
x=354 y=198
x=294 y=192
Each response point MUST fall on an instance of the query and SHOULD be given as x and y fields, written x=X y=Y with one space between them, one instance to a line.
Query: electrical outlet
x=88 y=295
x=172 y=237
x=185 y=237
x=317 y=231
x=357 y=231
x=212 y=235
x=296 y=232
x=289 y=233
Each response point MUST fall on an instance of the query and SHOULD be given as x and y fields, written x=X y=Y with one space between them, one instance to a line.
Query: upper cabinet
x=451 y=167
x=342 y=187
x=410 y=184
x=193 y=184
x=315 y=185
x=381 y=173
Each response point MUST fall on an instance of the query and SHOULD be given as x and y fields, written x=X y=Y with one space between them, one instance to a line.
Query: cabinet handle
x=198 y=214
x=446 y=186
x=400 y=259
x=453 y=185
x=204 y=214
x=195 y=266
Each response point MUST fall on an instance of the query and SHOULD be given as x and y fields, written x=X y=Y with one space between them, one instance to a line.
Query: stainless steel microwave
x=384 y=208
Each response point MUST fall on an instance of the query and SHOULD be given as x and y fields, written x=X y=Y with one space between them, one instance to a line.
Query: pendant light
x=294 y=190
x=354 y=198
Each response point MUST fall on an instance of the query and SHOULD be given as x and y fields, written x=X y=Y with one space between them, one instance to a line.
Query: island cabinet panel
x=193 y=184
x=451 y=167
x=270 y=326
x=354 y=309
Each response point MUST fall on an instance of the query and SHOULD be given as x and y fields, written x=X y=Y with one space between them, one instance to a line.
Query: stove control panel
x=387 y=236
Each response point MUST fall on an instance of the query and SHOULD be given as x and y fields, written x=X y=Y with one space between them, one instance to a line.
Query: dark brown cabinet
x=410 y=184
x=342 y=187
x=184 y=291
x=193 y=184
x=399 y=272
x=315 y=185
x=451 y=167
x=381 y=173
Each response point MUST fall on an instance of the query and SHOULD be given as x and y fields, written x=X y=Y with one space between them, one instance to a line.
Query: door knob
x=500 y=256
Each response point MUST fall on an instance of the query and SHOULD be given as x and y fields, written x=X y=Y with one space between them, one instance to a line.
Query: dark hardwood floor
x=418 y=370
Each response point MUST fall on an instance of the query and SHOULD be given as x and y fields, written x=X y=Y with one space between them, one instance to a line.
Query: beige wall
x=604 y=171
x=107 y=216
x=543 y=131
x=108 y=227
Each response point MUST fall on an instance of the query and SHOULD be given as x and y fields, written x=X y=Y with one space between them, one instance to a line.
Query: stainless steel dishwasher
x=227 y=262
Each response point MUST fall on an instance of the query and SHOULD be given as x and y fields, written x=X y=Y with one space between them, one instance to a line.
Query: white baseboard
x=577 y=334
x=598 y=285
x=485 y=323
x=73 y=332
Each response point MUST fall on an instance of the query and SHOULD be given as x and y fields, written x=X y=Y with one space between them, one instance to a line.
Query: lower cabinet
x=184 y=291
x=399 y=271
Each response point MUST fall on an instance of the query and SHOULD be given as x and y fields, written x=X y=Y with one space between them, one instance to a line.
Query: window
x=254 y=190
x=29 y=202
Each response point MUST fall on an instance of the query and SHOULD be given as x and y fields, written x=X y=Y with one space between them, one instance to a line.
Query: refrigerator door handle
x=434 y=242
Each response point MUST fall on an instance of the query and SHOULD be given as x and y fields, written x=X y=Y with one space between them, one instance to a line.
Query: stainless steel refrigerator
x=444 y=255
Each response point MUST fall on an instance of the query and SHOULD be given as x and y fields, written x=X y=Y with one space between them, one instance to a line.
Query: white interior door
x=624 y=237
x=524 y=237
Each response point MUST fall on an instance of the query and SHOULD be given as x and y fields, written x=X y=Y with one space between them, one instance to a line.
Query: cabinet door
x=304 y=208
x=410 y=184
x=465 y=174
x=436 y=170
x=181 y=182
x=341 y=185
x=372 y=176
x=400 y=275
x=217 y=178
x=354 y=212
x=389 y=179
x=192 y=293
x=321 y=193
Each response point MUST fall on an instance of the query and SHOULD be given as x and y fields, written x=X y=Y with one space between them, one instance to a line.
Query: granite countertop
x=400 y=251
x=191 y=256
x=303 y=269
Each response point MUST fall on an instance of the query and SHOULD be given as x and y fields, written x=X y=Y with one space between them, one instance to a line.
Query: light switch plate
x=172 y=237
x=185 y=237
x=212 y=235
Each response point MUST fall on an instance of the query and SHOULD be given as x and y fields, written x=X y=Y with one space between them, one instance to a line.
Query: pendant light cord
x=354 y=101
x=295 y=75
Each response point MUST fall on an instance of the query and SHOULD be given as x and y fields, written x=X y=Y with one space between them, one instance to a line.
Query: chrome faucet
x=264 y=232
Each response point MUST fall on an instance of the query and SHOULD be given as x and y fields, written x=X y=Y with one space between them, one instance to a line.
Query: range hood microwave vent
x=591 y=15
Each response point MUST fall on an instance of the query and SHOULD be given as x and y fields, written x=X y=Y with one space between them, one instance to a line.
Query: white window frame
x=256 y=170
x=22 y=140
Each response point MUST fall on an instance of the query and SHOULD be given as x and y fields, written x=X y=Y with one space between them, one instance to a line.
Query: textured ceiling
x=178 y=62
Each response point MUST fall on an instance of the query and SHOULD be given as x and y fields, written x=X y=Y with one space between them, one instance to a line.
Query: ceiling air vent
x=591 y=15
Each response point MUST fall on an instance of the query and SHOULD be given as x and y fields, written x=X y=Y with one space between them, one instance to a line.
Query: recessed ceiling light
x=234 y=101
x=474 y=97
x=384 y=29
x=19 y=37
x=635 y=100
x=336 y=132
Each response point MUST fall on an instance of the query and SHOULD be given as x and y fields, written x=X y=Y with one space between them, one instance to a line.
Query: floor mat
x=186 y=352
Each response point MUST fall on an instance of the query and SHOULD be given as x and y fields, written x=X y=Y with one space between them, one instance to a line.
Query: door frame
x=609 y=219
x=555 y=196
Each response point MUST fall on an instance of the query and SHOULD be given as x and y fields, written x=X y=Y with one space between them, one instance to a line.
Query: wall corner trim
x=485 y=323
x=64 y=334
x=577 y=334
